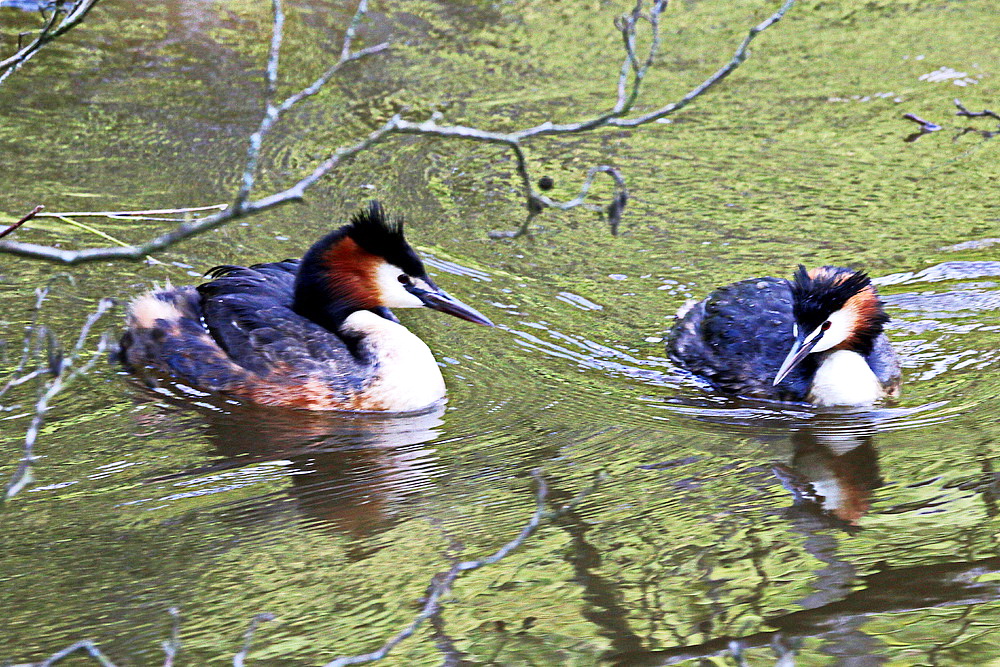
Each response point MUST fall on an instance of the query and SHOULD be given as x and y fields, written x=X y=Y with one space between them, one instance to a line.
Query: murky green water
x=706 y=529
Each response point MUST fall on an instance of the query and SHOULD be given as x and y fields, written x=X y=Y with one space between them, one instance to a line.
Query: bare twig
x=72 y=15
x=241 y=206
x=248 y=637
x=985 y=113
x=272 y=112
x=23 y=220
x=613 y=210
x=441 y=582
x=617 y=117
x=925 y=125
x=194 y=227
x=630 y=80
x=62 y=368
x=172 y=645
x=33 y=337
x=134 y=215
x=86 y=645
x=439 y=586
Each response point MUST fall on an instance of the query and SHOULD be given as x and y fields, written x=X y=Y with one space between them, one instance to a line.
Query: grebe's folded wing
x=737 y=337
x=247 y=310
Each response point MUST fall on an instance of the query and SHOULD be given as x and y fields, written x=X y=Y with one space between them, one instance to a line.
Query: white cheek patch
x=840 y=328
x=393 y=294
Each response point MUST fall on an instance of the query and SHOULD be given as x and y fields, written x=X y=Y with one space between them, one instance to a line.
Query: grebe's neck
x=333 y=280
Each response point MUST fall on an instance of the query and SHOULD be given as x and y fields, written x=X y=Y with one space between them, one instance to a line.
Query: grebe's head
x=833 y=307
x=368 y=264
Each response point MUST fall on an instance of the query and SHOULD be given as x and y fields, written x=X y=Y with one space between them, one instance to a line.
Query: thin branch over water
x=631 y=78
x=64 y=370
x=64 y=17
x=34 y=212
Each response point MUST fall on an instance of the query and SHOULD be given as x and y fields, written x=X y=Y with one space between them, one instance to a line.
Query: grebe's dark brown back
x=315 y=333
x=816 y=338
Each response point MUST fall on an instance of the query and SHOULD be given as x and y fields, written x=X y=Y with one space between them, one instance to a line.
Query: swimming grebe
x=816 y=338
x=315 y=333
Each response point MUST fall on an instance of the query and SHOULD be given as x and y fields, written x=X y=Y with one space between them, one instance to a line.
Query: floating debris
x=943 y=74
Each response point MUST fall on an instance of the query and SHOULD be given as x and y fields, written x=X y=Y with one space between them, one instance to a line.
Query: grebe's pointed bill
x=801 y=349
x=438 y=299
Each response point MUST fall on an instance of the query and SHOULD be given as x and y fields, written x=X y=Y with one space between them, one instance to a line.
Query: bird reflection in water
x=347 y=471
x=832 y=472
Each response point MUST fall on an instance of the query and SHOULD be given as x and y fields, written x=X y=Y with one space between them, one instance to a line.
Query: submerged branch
x=248 y=637
x=173 y=645
x=442 y=581
x=886 y=591
x=985 y=113
x=33 y=337
x=86 y=645
x=631 y=78
x=439 y=586
x=926 y=126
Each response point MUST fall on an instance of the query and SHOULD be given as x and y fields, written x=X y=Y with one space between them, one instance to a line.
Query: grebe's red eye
x=826 y=325
x=404 y=279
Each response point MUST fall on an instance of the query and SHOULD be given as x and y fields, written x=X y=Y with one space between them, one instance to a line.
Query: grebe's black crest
x=828 y=290
x=334 y=276
x=815 y=296
x=376 y=232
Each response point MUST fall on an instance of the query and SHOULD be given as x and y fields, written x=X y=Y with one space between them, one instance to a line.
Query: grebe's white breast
x=845 y=378
x=406 y=376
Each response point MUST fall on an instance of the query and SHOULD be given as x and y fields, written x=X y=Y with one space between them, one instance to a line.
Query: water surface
x=857 y=537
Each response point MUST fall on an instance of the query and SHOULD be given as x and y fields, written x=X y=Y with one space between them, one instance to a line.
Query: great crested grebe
x=815 y=338
x=315 y=333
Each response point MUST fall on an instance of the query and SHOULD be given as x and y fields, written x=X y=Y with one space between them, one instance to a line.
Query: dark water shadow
x=349 y=472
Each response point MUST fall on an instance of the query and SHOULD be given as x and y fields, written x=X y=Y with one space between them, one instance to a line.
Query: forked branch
x=63 y=369
x=64 y=17
x=985 y=113
x=632 y=75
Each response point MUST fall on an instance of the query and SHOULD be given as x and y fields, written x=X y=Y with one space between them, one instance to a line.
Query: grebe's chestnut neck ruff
x=317 y=333
x=816 y=338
